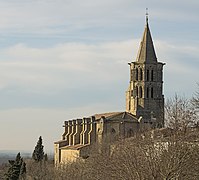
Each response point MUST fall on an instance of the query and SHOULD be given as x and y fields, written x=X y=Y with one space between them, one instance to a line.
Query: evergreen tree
x=16 y=168
x=23 y=170
x=38 y=153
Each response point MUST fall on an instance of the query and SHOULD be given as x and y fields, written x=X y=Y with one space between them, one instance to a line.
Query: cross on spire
x=147 y=15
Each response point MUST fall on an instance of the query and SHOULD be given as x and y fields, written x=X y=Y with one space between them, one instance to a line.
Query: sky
x=67 y=59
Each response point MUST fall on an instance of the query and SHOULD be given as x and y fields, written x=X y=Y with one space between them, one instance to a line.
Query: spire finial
x=147 y=14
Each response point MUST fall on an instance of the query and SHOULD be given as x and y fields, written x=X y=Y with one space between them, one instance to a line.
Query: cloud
x=62 y=72
x=88 y=72
x=181 y=70
x=45 y=15
x=69 y=58
x=65 y=18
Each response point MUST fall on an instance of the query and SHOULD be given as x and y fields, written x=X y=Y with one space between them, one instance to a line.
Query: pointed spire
x=146 y=53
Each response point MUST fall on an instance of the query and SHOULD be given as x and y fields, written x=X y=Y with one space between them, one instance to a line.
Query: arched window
x=136 y=74
x=129 y=133
x=140 y=92
x=152 y=92
x=85 y=157
x=151 y=75
x=141 y=75
x=147 y=75
x=147 y=92
x=113 y=131
x=136 y=91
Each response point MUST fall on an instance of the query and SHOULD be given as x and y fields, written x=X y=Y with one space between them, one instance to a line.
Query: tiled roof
x=111 y=116
x=98 y=116
x=61 y=141
x=75 y=147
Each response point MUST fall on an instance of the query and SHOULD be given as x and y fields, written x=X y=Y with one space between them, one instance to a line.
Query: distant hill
x=6 y=155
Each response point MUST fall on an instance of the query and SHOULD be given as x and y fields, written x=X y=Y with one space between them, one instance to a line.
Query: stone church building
x=144 y=108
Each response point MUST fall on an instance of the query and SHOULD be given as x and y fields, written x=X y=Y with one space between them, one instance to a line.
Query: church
x=144 y=108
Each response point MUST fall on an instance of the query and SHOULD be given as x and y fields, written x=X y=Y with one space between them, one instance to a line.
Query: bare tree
x=147 y=156
x=140 y=158
x=195 y=99
x=179 y=113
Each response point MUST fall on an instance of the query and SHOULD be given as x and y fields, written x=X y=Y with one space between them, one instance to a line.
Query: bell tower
x=144 y=97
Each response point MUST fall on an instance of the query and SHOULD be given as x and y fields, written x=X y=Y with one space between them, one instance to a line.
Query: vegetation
x=155 y=154
x=180 y=113
x=17 y=169
x=142 y=157
x=195 y=99
x=38 y=153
